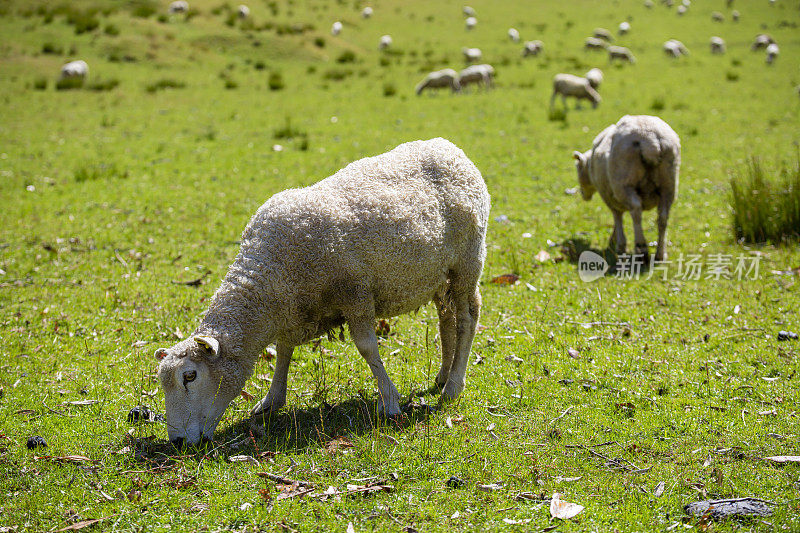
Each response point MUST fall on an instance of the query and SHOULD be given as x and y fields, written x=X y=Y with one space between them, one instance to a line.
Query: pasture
x=123 y=203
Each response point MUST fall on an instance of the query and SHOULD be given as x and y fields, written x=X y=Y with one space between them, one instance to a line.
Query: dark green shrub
x=143 y=8
x=658 y=103
x=732 y=75
x=275 y=81
x=319 y=42
x=52 y=49
x=165 y=83
x=348 y=56
x=766 y=203
x=111 y=29
x=66 y=84
x=557 y=114
x=389 y=89
x=40 y=83
x=103 y=85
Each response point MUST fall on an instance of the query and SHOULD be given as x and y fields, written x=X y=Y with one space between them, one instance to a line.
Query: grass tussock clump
x=165 y=83
x=98 y=171
x=103 y=85
x=66 y=84
x=766 y=203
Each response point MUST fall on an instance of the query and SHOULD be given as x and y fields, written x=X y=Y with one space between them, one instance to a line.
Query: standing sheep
x=624 y=28
x=716 y=16
x=385 y=42
x=513 y=34
x=468 y=11
x=717 y=45
x=675 y=48
x=602 y=33
x=336 y=28
x=366 y=12
x=243 y=11
x=470 y=23
x=532 y=48
x=735 y=15
x=594 y=77
x=441 y=78
x=179 y=6
x=574 y=86
x=620 y=52
x=472 y=54
x=593 y=43
x=634 y=166
x=382 y=237
x=772 y=53
x=762 y=40
x=73 y=75
x=682 y=10
x=476 y=74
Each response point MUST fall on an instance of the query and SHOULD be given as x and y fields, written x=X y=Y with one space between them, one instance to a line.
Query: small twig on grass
x=121 y=260
x=562 y=415
x=464 y=459
x=194 y=282
x=284 y=480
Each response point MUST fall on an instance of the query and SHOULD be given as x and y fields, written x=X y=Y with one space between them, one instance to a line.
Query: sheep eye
x=189 y=376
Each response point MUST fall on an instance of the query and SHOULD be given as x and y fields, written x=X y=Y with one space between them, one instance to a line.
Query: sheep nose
x=178 y=442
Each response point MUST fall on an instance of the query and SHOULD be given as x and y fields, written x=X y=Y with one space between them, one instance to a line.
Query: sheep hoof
x=266 y=406
x=451 y=391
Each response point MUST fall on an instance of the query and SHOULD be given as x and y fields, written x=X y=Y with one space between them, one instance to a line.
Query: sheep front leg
x=467 y=313
x=664 y=205
x=640 y=243
x=448 y=333
x=276 y=396
x=363 y=333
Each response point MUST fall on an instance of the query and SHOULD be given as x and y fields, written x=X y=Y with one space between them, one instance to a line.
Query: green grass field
x=629 y=397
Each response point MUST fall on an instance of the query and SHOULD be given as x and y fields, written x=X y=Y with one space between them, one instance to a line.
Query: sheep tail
x=650 y=149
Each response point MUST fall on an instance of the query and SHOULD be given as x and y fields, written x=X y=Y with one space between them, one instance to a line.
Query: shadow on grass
x=288 y=430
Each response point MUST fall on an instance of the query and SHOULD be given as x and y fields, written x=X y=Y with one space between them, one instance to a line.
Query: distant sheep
x=478 y=75
x=179 y=6
x=762 y=40
x=675 y=48
x=595 y=77
x=772 y=52
x=74 y=73
x=336 y=28
x=439 y=79
x=620 y=52
x=717 y=45
x=532 y=48
x=593 y=43
x=385 y=42
x=472 y=54
x=366 y=12
x=381 y=237
x=471 y=22
x=602 y=33
x=648 y=4
x=243 y=11
x=682 y=10
x=513 y=34
x=574 y=87
x=634 y=165
x=468 y=11
x=716 y=16
x=735 y=15
x=624 y=27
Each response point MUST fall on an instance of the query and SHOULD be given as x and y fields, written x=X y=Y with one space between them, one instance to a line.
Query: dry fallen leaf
x=505 y=279
x=247 y=396
x=82 y=402
x=563 y=509
x=82 y=524
x=66 y=459
x=659 y=490
x=338 y=444
x=243 y=459
x=491 y=487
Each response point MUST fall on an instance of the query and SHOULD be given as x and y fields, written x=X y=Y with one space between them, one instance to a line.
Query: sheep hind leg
x=617 y=241
x=468 y=307
x=362 y=330
x=276 y=396
x=664 y=205
x=448 y=333
x=640 y=243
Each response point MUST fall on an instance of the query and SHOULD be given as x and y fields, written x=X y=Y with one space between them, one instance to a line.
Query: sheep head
x=199 y=382
x=582 y=166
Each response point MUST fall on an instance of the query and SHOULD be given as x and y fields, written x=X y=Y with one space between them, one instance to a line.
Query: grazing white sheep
x=668 y=3
x=336 y=28
x=624 y=27
x=648 y=4
x=438 y=79
x=468 y=11
x=772 y=52
x=366 y=12
x=716 y=16
x=478 y=75
x=620 y=52
x=762 y=40
x=179 y=6
x=595 y=77
x=575 y=87
x=471 y=22
x=385 y=42
x=675 y=48
x=717 y=45
x=532 y=48
x=602 y=33
x=513 y=34
x=243 y=11
x=735 y=15
x=472 y=54
x=686 y=3
x=382 y=237
x=75 y=70
x=593 y=43
x=682 y=10
x=634 y=166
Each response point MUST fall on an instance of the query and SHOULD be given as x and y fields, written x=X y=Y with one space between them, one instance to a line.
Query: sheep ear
x=577 y=155
x=160 y=354
x=209 y=343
